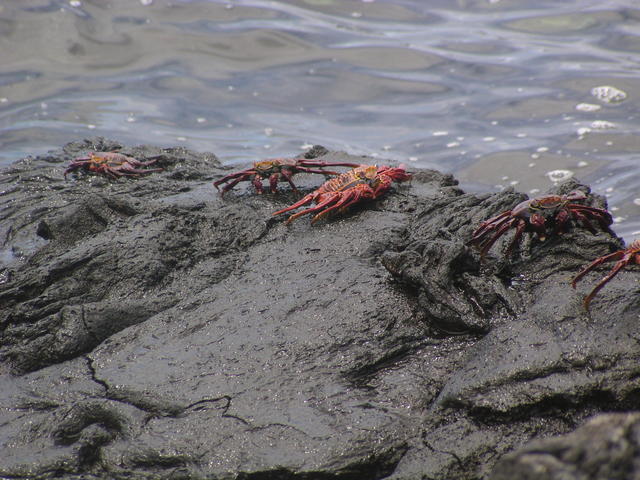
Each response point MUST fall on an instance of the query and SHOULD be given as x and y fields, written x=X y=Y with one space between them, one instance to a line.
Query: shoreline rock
x=151 y=329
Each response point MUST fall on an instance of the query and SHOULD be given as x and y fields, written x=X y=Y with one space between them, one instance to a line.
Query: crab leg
x=623 y=260
x=331 y=197
x=232 y=184
x=70 y=169
x=612 y=257
x=602 y=216
x=303 y=201
x=138 y=163
x=487 y=244
x=287 y=175
x=489 y=226
x=238 y=176
x=312 y=163
x=112 y=173
x=244 y=174
x=516 y=238
x=324 y=172
x=344 y=203
x=585 y=221
x=596 y=211
x=257 y=184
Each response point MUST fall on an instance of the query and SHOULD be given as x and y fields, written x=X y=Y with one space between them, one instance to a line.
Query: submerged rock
x=151 y=329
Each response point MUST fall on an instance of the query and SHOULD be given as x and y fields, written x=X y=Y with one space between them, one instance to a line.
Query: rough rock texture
x=605 y=448
x=151 y=329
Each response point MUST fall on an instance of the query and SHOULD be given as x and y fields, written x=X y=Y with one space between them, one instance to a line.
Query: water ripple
x=499 y=92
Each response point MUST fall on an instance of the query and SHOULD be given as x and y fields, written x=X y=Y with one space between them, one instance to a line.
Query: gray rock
x=151 y=329
x=606 y=447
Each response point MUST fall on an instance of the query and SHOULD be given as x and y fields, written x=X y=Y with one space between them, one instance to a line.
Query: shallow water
x=499 y=92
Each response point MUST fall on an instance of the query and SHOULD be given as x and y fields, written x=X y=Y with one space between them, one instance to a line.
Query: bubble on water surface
x=602 y=125
x=608 y=94
x=588 y=107
x=557 y=176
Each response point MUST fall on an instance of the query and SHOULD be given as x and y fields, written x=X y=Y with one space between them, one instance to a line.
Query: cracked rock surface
x=151 y=329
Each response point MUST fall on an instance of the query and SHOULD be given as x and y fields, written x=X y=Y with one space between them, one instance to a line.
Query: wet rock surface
x=151 y=329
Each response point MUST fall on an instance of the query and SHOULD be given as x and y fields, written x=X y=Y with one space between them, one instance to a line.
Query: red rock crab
x=544 y=215
x=276 y=170
x=112 y=165
x=366 y=182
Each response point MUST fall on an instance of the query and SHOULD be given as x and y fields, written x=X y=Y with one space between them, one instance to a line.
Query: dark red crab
x=276 y=170
x=548 y=214
x=624 y=257
x=111 y=164
x=366 y=182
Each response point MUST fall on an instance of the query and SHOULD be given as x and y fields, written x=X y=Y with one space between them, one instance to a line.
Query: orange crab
x=624 y=257
x=366 y=182
x=540 y=215
x=111 y=164
x=277 y=169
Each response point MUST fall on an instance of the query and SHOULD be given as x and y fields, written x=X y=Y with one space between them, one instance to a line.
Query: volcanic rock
x=152 y=329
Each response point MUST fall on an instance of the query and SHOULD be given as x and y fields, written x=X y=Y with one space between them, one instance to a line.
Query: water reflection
x=500 y=92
